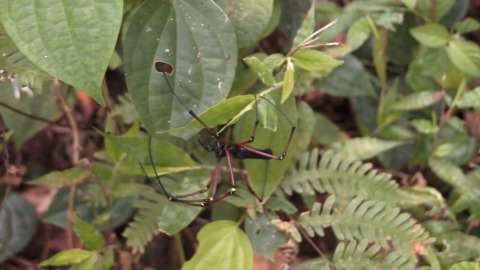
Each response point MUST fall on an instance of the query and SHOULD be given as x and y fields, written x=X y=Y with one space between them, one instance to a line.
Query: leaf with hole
x=202 y=76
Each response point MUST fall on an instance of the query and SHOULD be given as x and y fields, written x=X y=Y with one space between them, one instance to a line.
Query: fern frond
x=145 y=224
x=364 y=255
x=341 y=176
x=13 y=62
x=361 y=219
x=466 y=188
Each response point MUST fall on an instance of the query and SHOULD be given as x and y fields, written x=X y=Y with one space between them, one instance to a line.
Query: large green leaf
x=71 y=40
x=264 y=236
x=222 y=245
x=197 y=39
x=249 y=18
x=18 y=224
x=68 y=256
x=40 y=105
x=90 y=236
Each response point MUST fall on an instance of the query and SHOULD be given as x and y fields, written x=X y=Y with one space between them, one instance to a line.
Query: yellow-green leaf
x=66 y=257
x=288 y=80
x=66 y=178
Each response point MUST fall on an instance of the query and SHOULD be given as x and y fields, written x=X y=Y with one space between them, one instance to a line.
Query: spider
x=222 y=149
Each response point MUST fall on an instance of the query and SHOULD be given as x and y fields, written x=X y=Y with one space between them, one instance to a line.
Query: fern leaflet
x=341 y=176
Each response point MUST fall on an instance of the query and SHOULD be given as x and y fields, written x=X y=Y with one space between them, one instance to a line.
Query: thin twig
x=34 y=117
x=75 y=160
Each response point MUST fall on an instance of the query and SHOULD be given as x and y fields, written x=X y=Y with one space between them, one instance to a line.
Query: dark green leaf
x=18 y=224
x=90 y=236
x=306 y=28
x=202 y=76
x=72 y=41
x=249 y=18
x=264 y=236
x=348 y=80
x=25 y=127
x=431 y=35
x=62 y=179
x=68 y=256
x=222 y=245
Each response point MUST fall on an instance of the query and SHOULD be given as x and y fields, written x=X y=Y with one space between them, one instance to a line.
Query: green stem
x=181 y=252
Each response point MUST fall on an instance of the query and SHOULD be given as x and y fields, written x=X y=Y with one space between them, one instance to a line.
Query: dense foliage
x=383 y=171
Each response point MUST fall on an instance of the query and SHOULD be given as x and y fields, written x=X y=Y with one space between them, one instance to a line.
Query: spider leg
x=247 y=182
x=292 y=131
x=190 y=111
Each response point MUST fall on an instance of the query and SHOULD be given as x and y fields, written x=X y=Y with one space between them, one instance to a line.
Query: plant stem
x=181 y=252
x=75 y=160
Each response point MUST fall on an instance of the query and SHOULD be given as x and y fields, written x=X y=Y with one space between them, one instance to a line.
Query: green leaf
x=88 y=234
x=264 y=236
x=66 y=257
x=35 y=104
x=466 y=26
x=379 y=57
x=14 y=62
x=269 y=172
x=424 y=126
x=222 y=245
x=464 y=266
x=364 y=148
x=438 y=9
x=470 y=99
x=227 y=111
x=57 y=37
x=431 y=35
x=288 y=80
x=417 y=101
x=202 y=76
x=18 y=224
x=465 y=56
x=249 y=18
x=358 y=33
x=136 y=149
x=263 y=73
x=410 y=3
x=348 y=80
x=62 y=179
x=306 y=28
x=87 y=264
x=313 y=60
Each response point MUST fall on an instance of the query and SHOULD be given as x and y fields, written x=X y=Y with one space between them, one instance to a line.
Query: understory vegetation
x=382 y=171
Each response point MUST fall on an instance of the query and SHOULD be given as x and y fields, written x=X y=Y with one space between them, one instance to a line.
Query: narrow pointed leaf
x=57 y=37
x=417 y=101
x=66 y=257
x=364 y=148
x=263 y=73
x=90 y=236
x=203 y=57
x=288 y=80
x=222 y=245
x=313 y=60
x=62 y=179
